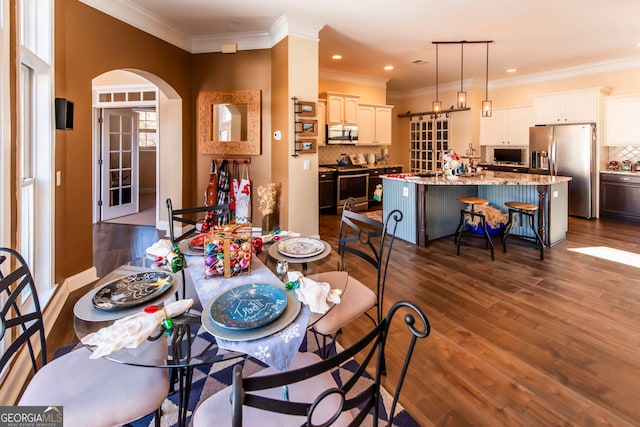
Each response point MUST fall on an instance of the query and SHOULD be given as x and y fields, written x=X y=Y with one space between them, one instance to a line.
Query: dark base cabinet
x=620 y=196
x=327 y=191
x=374 y=179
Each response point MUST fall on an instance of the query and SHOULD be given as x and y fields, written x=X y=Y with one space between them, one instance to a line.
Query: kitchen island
x=431 y=209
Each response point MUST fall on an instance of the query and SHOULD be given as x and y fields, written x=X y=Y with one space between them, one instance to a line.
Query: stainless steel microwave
x=342 y=134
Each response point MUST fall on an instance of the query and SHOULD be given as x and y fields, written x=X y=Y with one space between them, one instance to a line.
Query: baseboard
x=81 y=279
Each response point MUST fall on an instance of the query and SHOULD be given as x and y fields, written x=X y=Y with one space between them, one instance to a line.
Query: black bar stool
x=528 y=210
x=473 y=201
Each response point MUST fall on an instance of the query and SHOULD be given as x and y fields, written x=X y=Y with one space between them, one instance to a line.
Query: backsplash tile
x=624 y=153
x=329 y=155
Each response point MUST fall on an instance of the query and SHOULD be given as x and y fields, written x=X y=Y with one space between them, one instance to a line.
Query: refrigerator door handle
x=553 y=165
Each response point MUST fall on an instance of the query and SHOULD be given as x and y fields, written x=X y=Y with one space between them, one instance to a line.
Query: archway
x=169 y=149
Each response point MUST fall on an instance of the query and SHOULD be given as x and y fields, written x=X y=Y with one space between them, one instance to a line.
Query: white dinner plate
x=300 y=247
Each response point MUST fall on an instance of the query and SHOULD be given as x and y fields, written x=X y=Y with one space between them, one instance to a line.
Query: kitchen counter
x=621 y=172
x=432 y=210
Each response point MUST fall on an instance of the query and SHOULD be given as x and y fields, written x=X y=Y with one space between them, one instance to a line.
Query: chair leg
x=538 y=238
x=487 y=237
x=157 y=417
x=506 y=231
x=459 y=231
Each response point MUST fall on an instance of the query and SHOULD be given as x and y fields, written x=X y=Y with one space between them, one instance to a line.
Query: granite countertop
x=486 y=178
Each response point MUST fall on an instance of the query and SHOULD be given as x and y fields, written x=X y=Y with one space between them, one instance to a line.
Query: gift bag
x=242 y=196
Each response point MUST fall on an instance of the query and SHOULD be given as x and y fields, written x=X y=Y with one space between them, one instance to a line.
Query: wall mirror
x=229 y=122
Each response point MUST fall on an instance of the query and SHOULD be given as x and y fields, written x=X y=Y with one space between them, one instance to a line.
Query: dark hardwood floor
x=514 y=342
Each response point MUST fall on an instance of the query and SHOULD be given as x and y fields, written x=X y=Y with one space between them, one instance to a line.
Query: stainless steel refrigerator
x=567 y=150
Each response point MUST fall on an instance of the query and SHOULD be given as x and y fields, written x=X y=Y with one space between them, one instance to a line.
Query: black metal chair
x=94 y=392
x=371 y=241
x=315 y=398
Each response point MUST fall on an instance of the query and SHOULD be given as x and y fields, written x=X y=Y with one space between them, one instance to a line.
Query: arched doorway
x=168 y=155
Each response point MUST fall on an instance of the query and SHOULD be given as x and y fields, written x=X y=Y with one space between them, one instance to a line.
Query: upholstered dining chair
x=314 y=396
x=92 y=392
x=360 y=239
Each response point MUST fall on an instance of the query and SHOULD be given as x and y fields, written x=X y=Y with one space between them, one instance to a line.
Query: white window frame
x=36 y=52
x=5 y=130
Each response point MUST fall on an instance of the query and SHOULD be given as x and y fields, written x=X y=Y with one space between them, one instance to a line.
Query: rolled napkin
x=268 y=238
x=130 y=331
x=314 y=294
x=161 y=248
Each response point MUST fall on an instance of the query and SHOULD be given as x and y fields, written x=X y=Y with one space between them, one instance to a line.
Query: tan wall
x=89 y=43
x=147 y=168
x=249 y=69
x=280 y=121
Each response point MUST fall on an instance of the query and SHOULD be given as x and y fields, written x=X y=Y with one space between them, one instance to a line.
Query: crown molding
x=142 y=19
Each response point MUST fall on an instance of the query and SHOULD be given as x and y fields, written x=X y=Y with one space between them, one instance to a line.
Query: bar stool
x=528 y=210
x=473 y=201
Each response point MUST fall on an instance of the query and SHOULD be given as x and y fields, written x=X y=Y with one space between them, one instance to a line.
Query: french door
x=119 y=163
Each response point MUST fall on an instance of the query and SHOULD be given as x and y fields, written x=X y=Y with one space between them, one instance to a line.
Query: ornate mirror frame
x=208 y=143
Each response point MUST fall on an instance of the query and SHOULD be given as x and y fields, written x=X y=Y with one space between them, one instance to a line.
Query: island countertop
x=485 y=178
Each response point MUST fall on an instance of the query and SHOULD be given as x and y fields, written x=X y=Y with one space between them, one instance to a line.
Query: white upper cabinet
x=566 y=107
x=622 y=120
x=374 y=124
x=507 y=127
x=341 y=109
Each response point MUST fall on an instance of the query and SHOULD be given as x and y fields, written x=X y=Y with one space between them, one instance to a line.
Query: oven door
x=356 y=186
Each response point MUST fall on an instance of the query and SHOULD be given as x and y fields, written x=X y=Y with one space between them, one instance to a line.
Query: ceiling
x=532 y=37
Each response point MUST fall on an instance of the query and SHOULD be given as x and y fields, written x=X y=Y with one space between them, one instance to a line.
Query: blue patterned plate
x=132 y=290
x=248 y=306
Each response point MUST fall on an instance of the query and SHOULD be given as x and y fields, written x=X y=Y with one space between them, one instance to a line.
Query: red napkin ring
x=151 y=309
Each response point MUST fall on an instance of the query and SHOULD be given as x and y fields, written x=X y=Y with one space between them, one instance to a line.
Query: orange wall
x=87 y=44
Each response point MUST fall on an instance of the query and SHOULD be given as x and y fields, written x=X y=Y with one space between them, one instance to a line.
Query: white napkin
x=130 y=331
x=161 y=248
x=314 y=294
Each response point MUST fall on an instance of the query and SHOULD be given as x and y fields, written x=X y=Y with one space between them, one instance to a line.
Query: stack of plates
x=250 y=311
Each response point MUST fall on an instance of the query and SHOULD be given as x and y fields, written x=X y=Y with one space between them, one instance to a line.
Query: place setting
x=299 y=250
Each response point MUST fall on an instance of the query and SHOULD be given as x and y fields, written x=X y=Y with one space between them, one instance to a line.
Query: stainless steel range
x=351 y=181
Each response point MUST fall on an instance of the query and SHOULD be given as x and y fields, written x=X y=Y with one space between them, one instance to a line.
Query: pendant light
x=462 y=95
x=436 y=106
x=486 y=104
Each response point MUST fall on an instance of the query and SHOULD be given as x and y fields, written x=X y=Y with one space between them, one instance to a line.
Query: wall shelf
x=305 y=130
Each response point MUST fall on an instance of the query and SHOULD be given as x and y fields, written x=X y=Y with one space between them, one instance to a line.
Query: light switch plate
x=405 y=191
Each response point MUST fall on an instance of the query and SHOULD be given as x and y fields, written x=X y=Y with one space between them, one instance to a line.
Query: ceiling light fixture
x=486 y=104
x=462 y=95
x=336 y=56
x=436 y=106
x=388 y=67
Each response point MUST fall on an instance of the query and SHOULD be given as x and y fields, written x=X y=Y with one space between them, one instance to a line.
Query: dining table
x=197 y=338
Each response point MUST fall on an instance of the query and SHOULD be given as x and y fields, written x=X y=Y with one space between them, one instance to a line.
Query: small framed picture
x=307 y=127
x=306 y=146
x=306 y=109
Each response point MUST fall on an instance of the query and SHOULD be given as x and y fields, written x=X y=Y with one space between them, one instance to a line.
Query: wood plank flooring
x=514 y=342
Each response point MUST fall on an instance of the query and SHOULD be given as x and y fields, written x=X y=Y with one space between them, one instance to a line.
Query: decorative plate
x=289 y=315
x=248 y=306
x=132 y=290
x=300 y=247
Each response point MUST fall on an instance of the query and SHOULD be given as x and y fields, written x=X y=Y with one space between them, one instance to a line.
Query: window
x=147 y=125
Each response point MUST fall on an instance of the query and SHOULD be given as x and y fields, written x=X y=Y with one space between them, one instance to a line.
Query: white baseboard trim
x=81 y=279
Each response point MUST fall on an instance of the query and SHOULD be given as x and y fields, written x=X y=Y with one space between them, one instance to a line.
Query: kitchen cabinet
x=579 y=106
x=342 y=109
x=374 y=124
x=620 y=196
x=621 y=114
x=507 y=127
x=327 y=191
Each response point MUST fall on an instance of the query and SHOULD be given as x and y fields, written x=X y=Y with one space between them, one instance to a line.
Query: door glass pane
x=126 y=141
x=115 y=179
x=126 y=177
x=114 y=124
x=127 y=125
x=126 y=159
x=114 y=161
x=126 y=195
x=114 y=198
x=114 y=142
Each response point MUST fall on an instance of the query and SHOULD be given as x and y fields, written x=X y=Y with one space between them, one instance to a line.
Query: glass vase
x=267 y=223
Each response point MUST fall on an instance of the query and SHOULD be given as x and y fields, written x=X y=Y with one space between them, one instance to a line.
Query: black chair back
x=360 y=400
x=371 y=241
x=20 y=323
x=189 y=218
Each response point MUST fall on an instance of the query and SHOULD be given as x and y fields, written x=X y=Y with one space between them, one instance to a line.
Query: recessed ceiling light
x=388 y=67
x=336 y=56
x=512 y=70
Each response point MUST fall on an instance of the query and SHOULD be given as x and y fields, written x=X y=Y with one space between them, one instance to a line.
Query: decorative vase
x=267 y=223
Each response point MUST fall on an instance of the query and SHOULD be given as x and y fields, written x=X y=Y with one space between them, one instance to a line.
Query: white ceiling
x=531 y=36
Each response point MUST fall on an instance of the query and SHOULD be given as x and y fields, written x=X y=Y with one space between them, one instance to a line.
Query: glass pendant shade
x=486 y=109
x=462 y=100
x=436 y=107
